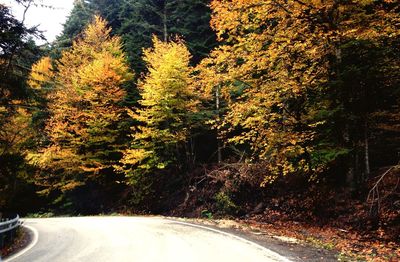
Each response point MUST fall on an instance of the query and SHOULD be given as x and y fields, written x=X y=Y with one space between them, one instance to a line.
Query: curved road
x=135 y=239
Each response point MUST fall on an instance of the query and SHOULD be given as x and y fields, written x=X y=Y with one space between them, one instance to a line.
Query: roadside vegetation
x=20 y=240
x=283 y=115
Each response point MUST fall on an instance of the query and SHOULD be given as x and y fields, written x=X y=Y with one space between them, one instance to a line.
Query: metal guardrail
x=9 y=224
x=8 y=228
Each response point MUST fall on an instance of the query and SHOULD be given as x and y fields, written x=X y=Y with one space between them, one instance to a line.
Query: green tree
x=140 y=19
x=80 y=16
x=137 y=20
x=17 y=52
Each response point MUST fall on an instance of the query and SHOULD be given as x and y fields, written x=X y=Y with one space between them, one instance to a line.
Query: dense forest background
x=271 y=109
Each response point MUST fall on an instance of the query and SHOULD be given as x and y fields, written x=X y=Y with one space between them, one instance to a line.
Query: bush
x=225 y=204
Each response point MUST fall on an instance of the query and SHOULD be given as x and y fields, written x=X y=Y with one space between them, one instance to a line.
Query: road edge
x=249 y=242
x=34 y=241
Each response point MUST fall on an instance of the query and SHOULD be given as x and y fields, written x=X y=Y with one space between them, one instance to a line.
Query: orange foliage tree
x=42 y=73
x=85 y=109
x=278 y=62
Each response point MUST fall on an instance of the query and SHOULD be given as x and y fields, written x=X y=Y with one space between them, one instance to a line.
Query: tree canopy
x=85 y=108
x=166 y=110
x=272 y=109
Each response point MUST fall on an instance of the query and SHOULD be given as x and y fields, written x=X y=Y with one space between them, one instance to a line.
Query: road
x=135 y=239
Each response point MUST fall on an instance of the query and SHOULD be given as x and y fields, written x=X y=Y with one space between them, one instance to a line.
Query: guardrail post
x=11 y=235
x=8 y=229
x=1 y=240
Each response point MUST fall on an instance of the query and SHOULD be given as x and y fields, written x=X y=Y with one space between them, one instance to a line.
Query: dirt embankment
x=348 y=223
x=22 y=240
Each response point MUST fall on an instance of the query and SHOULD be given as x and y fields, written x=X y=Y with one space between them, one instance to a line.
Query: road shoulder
x=293 y=249
x=26 y=240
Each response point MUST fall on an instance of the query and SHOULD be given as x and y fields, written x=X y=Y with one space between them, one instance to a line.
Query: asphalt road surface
x=135 y=239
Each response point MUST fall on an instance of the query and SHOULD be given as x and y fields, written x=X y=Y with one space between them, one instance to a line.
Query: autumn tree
x=280 y=61
x=16 y=139
x=84 y=138
x=42 y=73
x=166 y=112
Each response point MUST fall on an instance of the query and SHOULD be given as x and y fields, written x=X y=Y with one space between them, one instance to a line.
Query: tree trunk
x=366 y=149
x=350 y=177
x=217 y=106
x=165 y=31
x=190 y=151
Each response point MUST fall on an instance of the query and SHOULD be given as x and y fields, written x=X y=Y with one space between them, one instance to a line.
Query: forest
x=270 y=111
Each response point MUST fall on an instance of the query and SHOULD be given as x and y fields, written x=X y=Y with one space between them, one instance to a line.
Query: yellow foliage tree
x=276 y=67
x=16 y=134
x=166 y=108
x=41 y=73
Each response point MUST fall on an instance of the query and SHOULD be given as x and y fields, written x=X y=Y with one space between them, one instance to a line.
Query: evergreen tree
x=110 y=10
x=80 y=16
x=140 y=19
x=17 y=52
x=137 y=20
